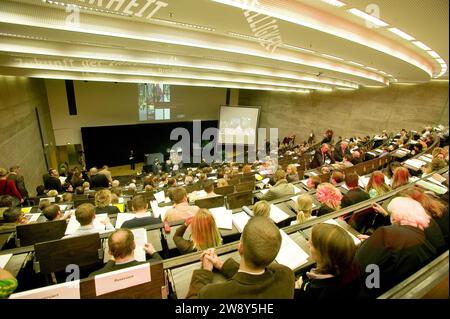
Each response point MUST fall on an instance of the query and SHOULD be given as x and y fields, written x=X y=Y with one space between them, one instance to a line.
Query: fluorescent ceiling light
x=401 y=34
x=441 y=61
x=433 y=54
x=335 y=3
x=354 y=63
x=422 y=46
x=370 y=68
x=298 y=48
x=367 y=17
x=332 y=57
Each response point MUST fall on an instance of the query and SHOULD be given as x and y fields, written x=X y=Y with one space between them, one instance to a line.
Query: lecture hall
x=224 y=149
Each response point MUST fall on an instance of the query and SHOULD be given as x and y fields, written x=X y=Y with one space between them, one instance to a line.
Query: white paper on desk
x=333 y=222
x=363 y=181
x=313 y=173
x=62 y=179
x=416 y=163
x=264 y=191
x=123 y=217
x=265 y=181
x=371 y=153
x=67 y=290
x=290 y=254
x=212 y=177
x=425 y=159
x=32 y=217
x=140 y=239
x=121 y=200
x=4 y=259
x=297 y=190
x=276 y=214
x=240 y=220
x=74 y=224
x=63 y=207
x=159 y=212
x=344 y=186
x=160 y=197
x=305 y=182
x=379 y=151
x=223 y=217
x=121 y=279
x=50 y=199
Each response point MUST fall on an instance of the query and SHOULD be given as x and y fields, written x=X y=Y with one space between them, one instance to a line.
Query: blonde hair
x=293 y=168
x=52 y=193
x=222 y=182
x=304 y=207
x=261 y=208
x=205 y=233
x=103 y=198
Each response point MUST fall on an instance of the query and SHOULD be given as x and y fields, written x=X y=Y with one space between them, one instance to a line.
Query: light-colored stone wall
x=20 y=140
x=361 y=112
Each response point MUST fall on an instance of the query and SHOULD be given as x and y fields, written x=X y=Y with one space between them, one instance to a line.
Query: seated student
x=337 y=177
x=98 y=180
x=356 y=158
x=389 y=172
x=255 y=276
x=261 y=208
x=140 y=207
x=115 y=183
x=53 y=212
x=103 y=203
x=280 y=189
x=354 y=194
x=336 y=273
x=246 y=169
x=377 y=185
x=292 y=174
x=85 y=215
x=304 y=209
x=181 y=210
x=7 y=283
x=208 y=186
x=204 y=233
x=40 y=191
x=12 y=216
x=313 y=182
x=400 y=178
x=121 y=247
x=330 y=197
x=399 y=249
x=222 y=182
x=67 y=197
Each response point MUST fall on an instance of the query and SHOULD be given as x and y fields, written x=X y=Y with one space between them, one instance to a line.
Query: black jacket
x=53 y=183
x=107 y=210
x=354 y=196
x=20 y=184
x=99 y=181
x=141 y=222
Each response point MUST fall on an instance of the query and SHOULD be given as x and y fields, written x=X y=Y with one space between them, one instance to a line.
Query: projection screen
x=238 y=124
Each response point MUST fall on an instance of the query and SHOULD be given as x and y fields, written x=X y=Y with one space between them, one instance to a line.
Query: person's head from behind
x=121 y=244
x=205 y=233
x=103 y=198
x=179 y=195
x=85 y=214
x=132 y=187
x=8 y=201
x=433 y=206
x=408 y=212
x=222 y=182
x=52 y=212
x=115 y=183
x=247 y=169
x=14 y=215
x=40 y=190
x=44 y=203
x=332 y=249
x=117 y=191
x=67 y=197
x=392 y=167
x=304 y=207
x=351 y=180
x=324 y=148
x=337 y=177
x=377 y=182
x=261 y=208
x=52 y=193
x=86 y=186
x=279 y=175
x=313 y=182
x=139 y=203
x=15 y=169
x=93 y=171
x=148 y=188
x=208 y=186
x=400 y=178
x=291 y=169
x=260 y=243
x=189 y=180
x=329 y=195
x=172 y=182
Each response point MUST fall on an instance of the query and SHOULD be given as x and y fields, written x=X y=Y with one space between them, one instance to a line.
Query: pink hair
x=406 y=211
x=329 y=195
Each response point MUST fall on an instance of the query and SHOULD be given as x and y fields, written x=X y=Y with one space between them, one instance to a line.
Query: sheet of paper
x=4 y=259
x=62 y=179
x=74 y=224
x=433 y=187
x=416 y=163
x=67 y=290
x=297 y=190
x=160 y=197
x=264 y=191
x=313 y=173
x=121 y=279
x=63 y=207
x=305 y=182
x=223 y=217
x=159 y=212
x=363 y=181
x=123 y=217
x=50 y=199
x=379 y=151
x=32 y=217
x=425 y=159
x=276 y=214
x=265 y=181
x=371 y=153
x=140 y=239
x=333 y=222
x=121 y=200
x=121 y=207
x=290 y=254
x=240 y=220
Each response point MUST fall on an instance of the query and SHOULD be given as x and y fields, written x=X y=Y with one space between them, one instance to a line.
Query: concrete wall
x=20 y=140
x=107 y=103
x=361 y=112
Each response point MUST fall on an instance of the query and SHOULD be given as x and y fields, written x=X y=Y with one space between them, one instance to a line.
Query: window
x=162 y=114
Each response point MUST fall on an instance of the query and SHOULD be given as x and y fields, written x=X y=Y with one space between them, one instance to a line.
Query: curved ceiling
x=287 y=45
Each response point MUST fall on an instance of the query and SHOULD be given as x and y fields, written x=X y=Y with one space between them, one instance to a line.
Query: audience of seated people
x=142 y=217
x=85 y=216
x=280 y=189
x=329 y=197
x=354 y=194
x=377 y=185
x=103 y=203
x=181 y=208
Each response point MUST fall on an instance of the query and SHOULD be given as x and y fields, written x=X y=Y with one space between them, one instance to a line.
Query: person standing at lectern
x=132 y=160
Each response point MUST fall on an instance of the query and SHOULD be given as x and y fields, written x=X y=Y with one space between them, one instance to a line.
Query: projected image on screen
x=150 y=96
x=238 y=125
